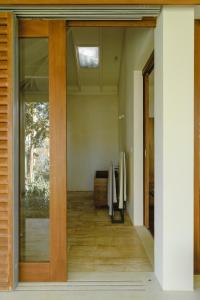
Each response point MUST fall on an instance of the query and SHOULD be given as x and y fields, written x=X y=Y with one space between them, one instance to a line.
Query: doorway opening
x=99 y=130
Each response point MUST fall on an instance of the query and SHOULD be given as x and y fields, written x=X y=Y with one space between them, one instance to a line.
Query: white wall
x=137 y=203
x=139 y=44
x=174 y=147
x=92 y=138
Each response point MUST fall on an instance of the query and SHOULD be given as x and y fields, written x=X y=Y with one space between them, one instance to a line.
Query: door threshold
x=94 y=281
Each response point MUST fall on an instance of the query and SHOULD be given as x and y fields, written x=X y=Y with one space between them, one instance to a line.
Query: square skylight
x=88 y=57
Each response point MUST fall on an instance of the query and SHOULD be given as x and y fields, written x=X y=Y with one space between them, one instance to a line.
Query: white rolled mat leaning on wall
x=112 y=190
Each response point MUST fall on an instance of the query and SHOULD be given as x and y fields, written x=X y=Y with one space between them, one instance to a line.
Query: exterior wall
x=174 y=148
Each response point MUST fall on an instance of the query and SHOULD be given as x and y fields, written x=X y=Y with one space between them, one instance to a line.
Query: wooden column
x=6 y=161
x=148 y=68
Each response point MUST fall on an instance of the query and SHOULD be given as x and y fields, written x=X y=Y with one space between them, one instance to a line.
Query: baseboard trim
x=147 y=242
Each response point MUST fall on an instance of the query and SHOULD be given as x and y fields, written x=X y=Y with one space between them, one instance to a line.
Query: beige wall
x=92 y=138
x=138 y=47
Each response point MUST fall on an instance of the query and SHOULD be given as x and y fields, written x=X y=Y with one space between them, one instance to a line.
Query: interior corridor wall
x=92 y=143
x=138 y=46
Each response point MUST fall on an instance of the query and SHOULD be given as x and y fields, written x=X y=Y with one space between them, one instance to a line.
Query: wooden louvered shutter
x=6 y=135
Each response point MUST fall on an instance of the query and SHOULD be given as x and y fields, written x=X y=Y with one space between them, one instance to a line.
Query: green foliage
x=36 y=123
x=37 y=155
x=37 y=193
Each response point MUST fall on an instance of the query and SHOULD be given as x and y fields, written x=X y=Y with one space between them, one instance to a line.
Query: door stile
x=58 y=189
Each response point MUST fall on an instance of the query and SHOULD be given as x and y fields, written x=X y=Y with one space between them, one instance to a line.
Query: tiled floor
x=97 y=245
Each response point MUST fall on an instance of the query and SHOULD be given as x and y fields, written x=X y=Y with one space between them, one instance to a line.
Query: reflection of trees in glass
x=37 y=154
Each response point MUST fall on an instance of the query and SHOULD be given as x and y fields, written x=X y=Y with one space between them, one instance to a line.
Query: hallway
x=97 y=245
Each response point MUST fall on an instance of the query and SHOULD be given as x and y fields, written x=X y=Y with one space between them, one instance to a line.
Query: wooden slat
x=3 y=21
x=3 y=197
x=3 y=73
x=3 y=82
x=3 y=92
x=3 y=225
x=3 y=38
x=6 y=45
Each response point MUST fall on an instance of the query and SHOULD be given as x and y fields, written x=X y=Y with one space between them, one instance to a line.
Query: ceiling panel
x=112 y=48
x=110 y=41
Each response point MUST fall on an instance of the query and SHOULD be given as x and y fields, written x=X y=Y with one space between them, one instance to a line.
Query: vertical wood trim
x=6 y=153
x=197 y=150
x=58 y=189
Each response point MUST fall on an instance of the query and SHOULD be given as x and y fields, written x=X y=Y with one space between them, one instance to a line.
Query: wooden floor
x=97 y=245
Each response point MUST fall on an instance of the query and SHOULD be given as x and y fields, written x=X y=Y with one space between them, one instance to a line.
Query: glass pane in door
x=34 y=150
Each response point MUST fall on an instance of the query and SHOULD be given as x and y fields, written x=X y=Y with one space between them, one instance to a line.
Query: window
x=88 y=57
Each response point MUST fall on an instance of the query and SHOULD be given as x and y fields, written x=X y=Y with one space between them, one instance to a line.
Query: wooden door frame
x=56 y=268
x=144 y=23
x=148 y=68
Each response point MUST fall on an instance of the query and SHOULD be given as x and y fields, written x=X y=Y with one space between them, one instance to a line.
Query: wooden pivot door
x=147 y=139
x=42 y=97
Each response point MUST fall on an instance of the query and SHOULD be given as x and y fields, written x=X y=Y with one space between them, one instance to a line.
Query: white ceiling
x=110 y=41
